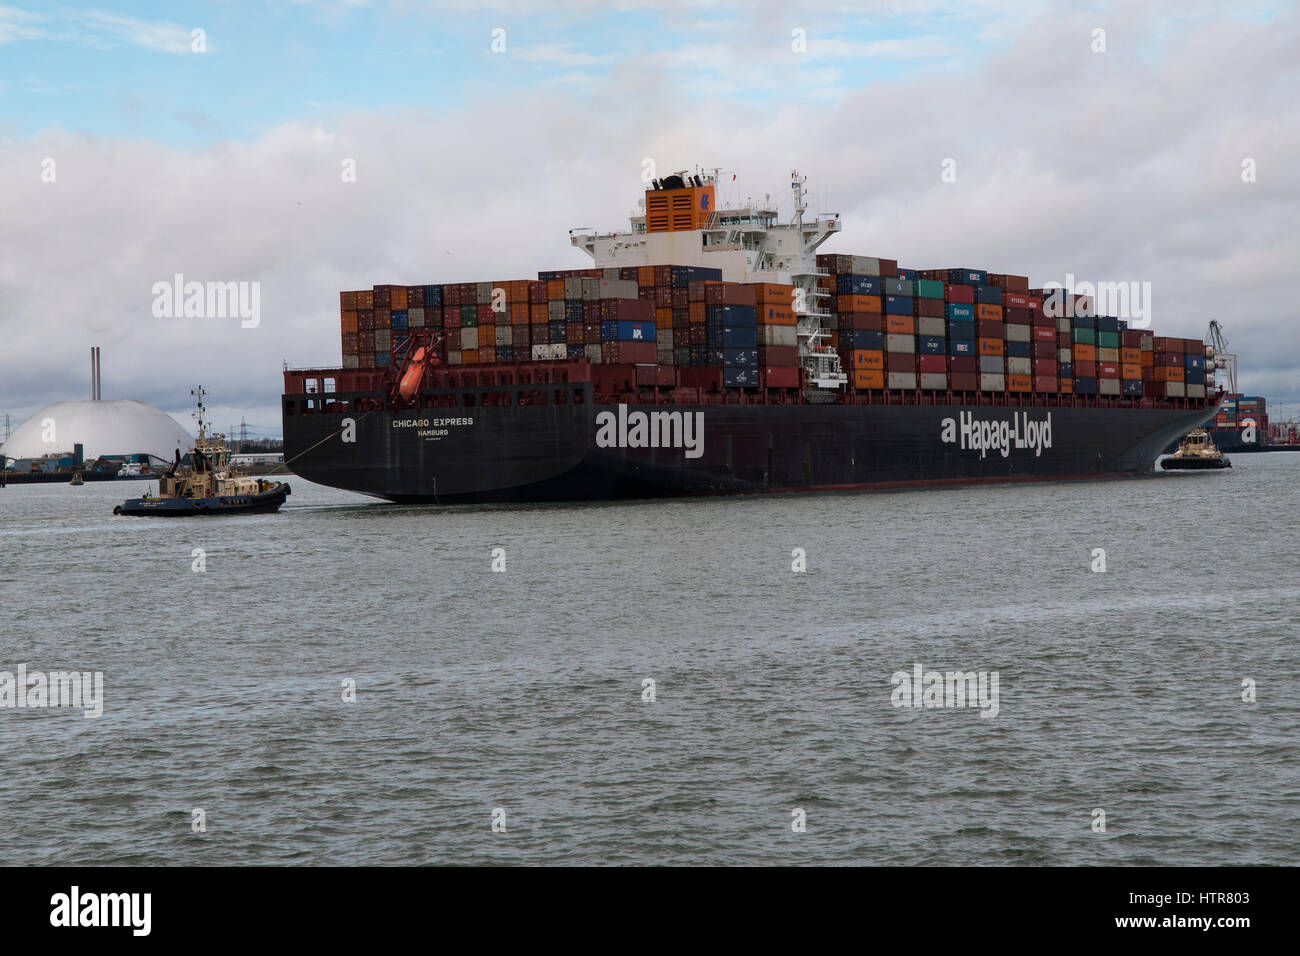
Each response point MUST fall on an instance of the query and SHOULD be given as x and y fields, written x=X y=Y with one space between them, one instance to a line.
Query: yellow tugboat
x=1196 y=452
x=210 y=485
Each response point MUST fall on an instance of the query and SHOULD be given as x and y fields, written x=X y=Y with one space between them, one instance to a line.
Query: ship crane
x=1222 y=358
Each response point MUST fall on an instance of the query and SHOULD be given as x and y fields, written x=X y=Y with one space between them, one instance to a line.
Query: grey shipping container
x=993 y=383
x=1020 y=366
x=902 y=380
x=1018 y=333
x=991 y=365
x=934 y=380
x=1108 y=386
x=928 y=325
x=897 y=342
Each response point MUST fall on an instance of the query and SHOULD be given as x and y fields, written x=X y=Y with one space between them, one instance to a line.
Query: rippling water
x=523 y=690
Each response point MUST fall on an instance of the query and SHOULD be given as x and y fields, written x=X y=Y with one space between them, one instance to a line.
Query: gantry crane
x=1222 y=358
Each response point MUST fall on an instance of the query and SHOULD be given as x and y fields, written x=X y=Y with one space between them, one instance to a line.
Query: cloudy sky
x=139 y=140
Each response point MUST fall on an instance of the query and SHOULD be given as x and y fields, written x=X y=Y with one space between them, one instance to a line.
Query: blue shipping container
x=748 y=358
x=740 y=338
x=736 y=376
x=962 y=329
x=624 y=331
x=1107 y=323
x=908 y=274
x=731 y=316
x=1132 y=387
x=432 y=296
x=861 y=339
x=1065 y=369
x=932 y=345
x=961 y=346
x=898 y=305
x=967 y=276
x=960 y=310
x=858 y=285
x=400 y=320
x=1019 y=350
x=1194 y=376
x=988 y=295
x=1190 y=361
x=383 y=360
x=1085 y=386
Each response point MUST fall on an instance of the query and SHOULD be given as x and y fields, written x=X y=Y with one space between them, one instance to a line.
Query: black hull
x=1194 y=464
x=550 y=453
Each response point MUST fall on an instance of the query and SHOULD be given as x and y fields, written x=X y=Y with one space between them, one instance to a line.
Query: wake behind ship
x=714 y=351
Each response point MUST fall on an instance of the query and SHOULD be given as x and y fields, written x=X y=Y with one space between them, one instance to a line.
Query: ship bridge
x=679 y=224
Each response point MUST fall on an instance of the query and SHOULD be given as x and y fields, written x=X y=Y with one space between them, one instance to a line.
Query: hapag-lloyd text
x=985 y=435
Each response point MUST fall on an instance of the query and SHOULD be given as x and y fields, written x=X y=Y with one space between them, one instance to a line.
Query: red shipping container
x=1042 y=333
x=1021 y=315
x=963 y=363
x=963 y=381
x=781 y=377
x=933 y=308
x=1107 y=370
x=900 y=362
x=989 y=328
x=959 y=293
x=629 y=353
x=1044 y=350
x=932 y=363
x=1045 y=366
x=779 y=355
x=868 y=321
x=728 y=293
x=1085 y=369
x=1015 y=300
x=1044 y=383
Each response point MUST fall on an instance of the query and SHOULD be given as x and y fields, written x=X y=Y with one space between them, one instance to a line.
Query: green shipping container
x=1107 y=340
x=1083 y=336
x=929 y=289
x=468 y=316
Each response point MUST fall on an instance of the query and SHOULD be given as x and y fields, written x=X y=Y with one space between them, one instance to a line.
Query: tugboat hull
x=1195 y=464
x=268 y=500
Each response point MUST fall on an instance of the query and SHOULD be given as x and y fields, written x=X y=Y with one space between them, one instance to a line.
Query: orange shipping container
x=1131 y=371
x=766 y=293
x=988 y=312
x=555 y=290
x=469 y=357
x=1067 y=386
x=867 y=378
x=858 y=303
x=519 y=313
x=1019 y=383
x=537 y=314
x=868 y=359
x=990 y=346
x=1131 y=356
x=1148 y=359
x=517 y=291
x=399 y=297
x=349 y=322
x=366 y=299
x=1084 y=352
x=902 y=325
x=776 y=315
x=1168 y=373
x=645 y=277
x=697 y=313
x=663 y=318
x=347 y=301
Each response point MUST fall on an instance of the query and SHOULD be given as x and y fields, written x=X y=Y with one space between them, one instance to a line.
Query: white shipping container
x=1108 y=355
x=929 y=325
x=901 y=380
x=1193 y=391
x=1063 y=325
x=865 y=266
x=934 y=380
x=993 y=383
x=1108 y=386
x=558 y=351
x=415 y=318
x=555 y=310
x=782 y=335
x=469 y=338
x=573 y=287
x=383 y=340
x=484 y=290
x=665 y=356
x=352 y=361
x=453 y=356
x=1064 y=355
x=617 y=289
x=593 y=354
x=1018 y=333
x=897 y=342
x=503 y=336
x=664 y=337
x=1019 y=366
x=541 y=352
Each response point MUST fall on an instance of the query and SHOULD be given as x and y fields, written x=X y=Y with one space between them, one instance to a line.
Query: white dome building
x=123 y=427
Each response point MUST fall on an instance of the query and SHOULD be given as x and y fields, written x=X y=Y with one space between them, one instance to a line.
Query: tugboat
x=208 y=485
x=77 y=479
x=1196 y=452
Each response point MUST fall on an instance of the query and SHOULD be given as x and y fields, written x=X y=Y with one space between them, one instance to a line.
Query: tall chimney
x=93 y=374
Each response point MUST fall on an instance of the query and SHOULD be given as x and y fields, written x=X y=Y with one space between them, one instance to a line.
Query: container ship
x=715 y=351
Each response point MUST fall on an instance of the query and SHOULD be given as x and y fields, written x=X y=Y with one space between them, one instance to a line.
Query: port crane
x=1221 y=357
